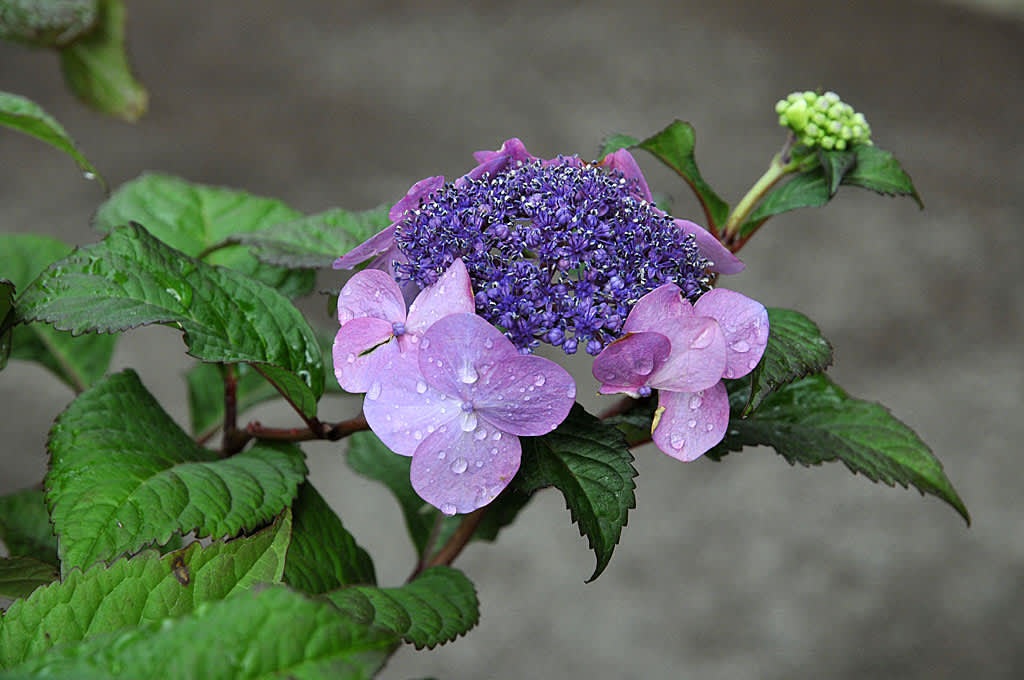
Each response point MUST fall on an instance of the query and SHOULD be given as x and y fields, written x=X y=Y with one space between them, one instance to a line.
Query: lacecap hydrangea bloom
x=684 y=351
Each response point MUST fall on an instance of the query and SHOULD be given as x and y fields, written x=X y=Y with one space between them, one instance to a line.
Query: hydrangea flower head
x=823 y=120
x=557 y=250
x=458 y=405
x=684 y=351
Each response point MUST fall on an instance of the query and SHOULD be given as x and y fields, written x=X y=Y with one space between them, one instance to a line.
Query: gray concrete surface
x=745 y=569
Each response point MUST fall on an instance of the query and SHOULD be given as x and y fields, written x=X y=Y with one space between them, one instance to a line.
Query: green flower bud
x=822 y=120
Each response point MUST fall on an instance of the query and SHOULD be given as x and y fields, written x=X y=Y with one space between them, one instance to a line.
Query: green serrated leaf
x=131 y=279
x=836 y=164
x=590 y=463
x=78 y=361
x=194 y=218
x=674 y=146
x=46 y=23
x=814 y=421
x=616 y=141
x=314 y=242
x=6 y=320
x=25 y=526
x=272 y=633
x=880 y=172
x=323 y=555
x=96 y=67
x=124 y=475
x=19 y=576
x=437 y=607
x=796 y=348
x=26 y=116
x=206 y=395
x=143 y=590
x=806 y=190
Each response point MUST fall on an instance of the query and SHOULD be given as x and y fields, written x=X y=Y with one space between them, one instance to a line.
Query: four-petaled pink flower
x=684 y=351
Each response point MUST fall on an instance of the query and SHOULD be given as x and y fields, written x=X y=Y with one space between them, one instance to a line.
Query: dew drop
x=539 y=380
x=709 y=427
x=424 y=343
x=469 y=422
x=677 y=441
x=752 y=364
x=496 y=436
x=479 y=463
x=488 y=343
x=691 y=424
x=526 y=398
x=351 y=358
x=89 y=175
x=494 y=451
x=447 y=508
x=421 y=386
x=417 y=435
x=481 y=433
x=467 y=373
x=729 y=373
x=644 y=365
x=459 y=465
x=374 y=391
x=442 y=455
x=695 y=402
x=704 y=339
x=430 y=429
x=741 y=346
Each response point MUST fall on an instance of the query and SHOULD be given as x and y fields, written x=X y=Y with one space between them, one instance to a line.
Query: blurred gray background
x=744 y=569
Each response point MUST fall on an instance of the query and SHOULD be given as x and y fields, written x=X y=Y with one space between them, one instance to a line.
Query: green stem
x=777 y=169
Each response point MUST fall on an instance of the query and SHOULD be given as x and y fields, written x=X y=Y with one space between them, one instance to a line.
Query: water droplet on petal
x=351 y=358
x=488 y=343
x=468 y=422
x=417 y=435
x=459 y=465
x=709 y=427
x=447 y=508
x=441 y=455
x=741 y=346
x=752 y=364
x=729 y=373
x=691 y=424
x=374 y=391
x=644 y=365
x=468 y=374
x=479 y=463
x=424 y=343
x=496 y=436
x=494 y=451
x=481 y=433
x=539 y=380
x=421 y=386
x=677 y=440
x=695 y=402
x=704 y=339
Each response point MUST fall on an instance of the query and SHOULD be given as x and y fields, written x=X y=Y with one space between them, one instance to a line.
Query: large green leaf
x=590 y=463
x=26 y=116
x=879 y=171
x=796 y=348
x=145 y=589
x=124 y=475
x=814 y=421
x=674 y=146
x=807 y=190
x=437 y=607
x=323 y=555
x=836 y=164
x=195 y=217
x=78 y=361
x=96 y=67
x=19 y=576
x=131 y=279
x=272 y=633
x=25 y=526
x=315 y=241
x=46 y=23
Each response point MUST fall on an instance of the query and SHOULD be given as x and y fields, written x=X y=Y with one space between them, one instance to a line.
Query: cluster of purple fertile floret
x=558 y=251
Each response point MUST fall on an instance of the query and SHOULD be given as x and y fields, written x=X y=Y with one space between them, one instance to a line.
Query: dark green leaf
x=78 y=361
x=674 y=146
x=46 y=23
x=634 y=421
x=836 y=164
x=796 y=348
x=590 y=463
x=323 y=555
x=124 y=475
x=26 y=116
x=96 y=67
x=437 y=607
x=19 y=576
x=143 y=590
x=806 y=190
x=194 y=217
x=25 y=526
x=616 y=141
x=879 y=171
x=206 y=395
x=314 y=242
x=131 y=279
x=814 y=421
x=271 y=633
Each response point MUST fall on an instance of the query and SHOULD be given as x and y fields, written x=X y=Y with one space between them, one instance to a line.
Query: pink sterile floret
x=374 y=324
x=684 y=351
x=458 y=406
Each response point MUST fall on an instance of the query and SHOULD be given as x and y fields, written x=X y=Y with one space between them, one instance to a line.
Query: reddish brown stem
x=458 y=541
x=231 y=434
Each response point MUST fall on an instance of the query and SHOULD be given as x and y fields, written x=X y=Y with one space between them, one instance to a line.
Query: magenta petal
x=628 y=362
x=373 y=293
x=402 y=410
x=697 y=359
x=412 y=198
x=450 y=294
x=664 y=302
x=623 y=161
x=524 y=395
x=744 y=323
x=460 y=471
x=354 y=369
x=458 y=349
x=692 y=422
x=513 y=151
x=374 y=245
x=724 y=262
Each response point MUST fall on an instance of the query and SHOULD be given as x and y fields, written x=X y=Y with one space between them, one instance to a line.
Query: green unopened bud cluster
x=823 y=120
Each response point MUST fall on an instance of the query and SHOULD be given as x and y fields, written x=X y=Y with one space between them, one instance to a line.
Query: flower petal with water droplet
x=676 y=436
x=361 y=349
x=744 y=323
x=628 y=363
